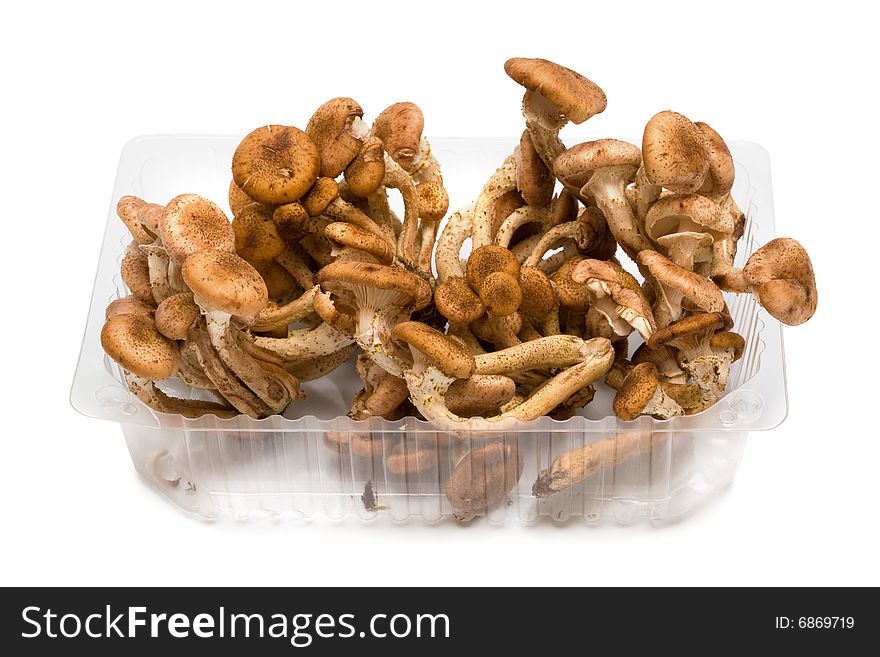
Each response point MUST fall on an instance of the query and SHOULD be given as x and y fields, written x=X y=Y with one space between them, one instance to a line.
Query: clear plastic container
x=283 y=465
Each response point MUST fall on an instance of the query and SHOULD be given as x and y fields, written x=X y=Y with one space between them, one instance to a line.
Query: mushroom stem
x=501 y=182
x=448 y=252
x=146 y=390
x=545 y=353
x=157 y=261
x=400 y=180
x=426 y=250
x=526 y=214
x=645 y=194
x=274 y=316
x=344 y=211
x=543 y=122
x=550 y=239
x=306 y=344
x=295 y=261
x=608 y=187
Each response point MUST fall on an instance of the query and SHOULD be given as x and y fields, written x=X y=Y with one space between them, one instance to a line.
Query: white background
x=80 y=79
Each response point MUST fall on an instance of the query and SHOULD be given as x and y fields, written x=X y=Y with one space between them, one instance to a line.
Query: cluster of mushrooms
x=316 y=265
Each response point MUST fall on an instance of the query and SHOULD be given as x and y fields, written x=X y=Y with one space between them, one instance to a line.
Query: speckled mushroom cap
x=447 y=356
x=702 y=292
x=256 y=237
x=331 y=128
x=129 y=305
x=457 y=302
x=291 y=221
x=410 y=289
x=538 y=295
x=707 y=323
x=624 y=290
x=720 y=177
x=134 y=343
x=361 y=240
x=433 y=200
x=678 y=213
x=135 y=273
x=276 y=164
x=729 y=340
x=572 y=295
x=573 y=95
x=320 y=196
x=637 y=390
x=176 y=314
x=191 y=223
x=500 y=293
x=366 y=171
x=139 y=217
x=576 y=165
x=781 y=274
x=674 y=152
x=487 y=260
x=533 y=179
x=400 y=126
x=224 y=281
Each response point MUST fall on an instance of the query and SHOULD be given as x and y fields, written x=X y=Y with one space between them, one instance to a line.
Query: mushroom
x=458 y=303
x=379 y=297
x=687 y=226
x=641 y=394
x=721 y=172
x=602 y=169
x=139 y=217
x=521 y=217
x=237 y=198
x=663 y=359
x=280 y=284
x=617 y=295
x=365 y=172
x=692 y=338
x=551 y=352
x=191 y=223
x=276 y=164
x=781 y=276
x=176 y=315
x=400 y=126
x=398 y=178
x=539 y=302
x=534 y=179
x=501 y=296
x=256 y=236
x=226 y=286
x=147 y=356
x=447 y=254
x=672 y=285
x=572 y=295
x=500 y=183
x=554 y=95
x=358 y=240
x=157 y=264
x=273 y=316
x=129 y=305
x=437 y=361
x=411 y=457
x=135 y=273
x=382 y=400
x=479 y=394
x=674 y=152
x=320 y=196
x=336 y=128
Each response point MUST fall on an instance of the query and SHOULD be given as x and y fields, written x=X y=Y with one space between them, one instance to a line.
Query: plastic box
x=282 y=466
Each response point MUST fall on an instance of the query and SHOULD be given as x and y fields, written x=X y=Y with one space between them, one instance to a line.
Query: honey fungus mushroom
x=641 y=394
x=336 y=128
x=276 y=164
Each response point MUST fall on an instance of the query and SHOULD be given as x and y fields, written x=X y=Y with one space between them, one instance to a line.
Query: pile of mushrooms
x=315 y=266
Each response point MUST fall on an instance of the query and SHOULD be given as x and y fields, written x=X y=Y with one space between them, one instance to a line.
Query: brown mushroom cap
x=729 y=340
x=135 y=273
x=628 y=299
x=367 y=170
x=237 y=198
x=564 y=208
x=276 y=164
x=457 y=302
x=134 y=343
x=292 y=222
x=500 y=293
x=674 y=152
x=702 y=292
x=433 y=200
x=533 y=179
x=320 y=196
x=572 y=295
x=573 y=95
x=577 y=164
x=280 y=284
x=538 y=295
x=488 y=260
x=449 y=357
x=409 y=288
x=129 y=305
x=698 y=323
x=781 y=274
x=678 y=213
x=256 y=237
x=191 y=223
x=139 y=217
x=637 y=390
x=361 y=240
x=400 y=126
x=225 y=282
x=176 y=314
x=331 y=129
x=721 y=174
